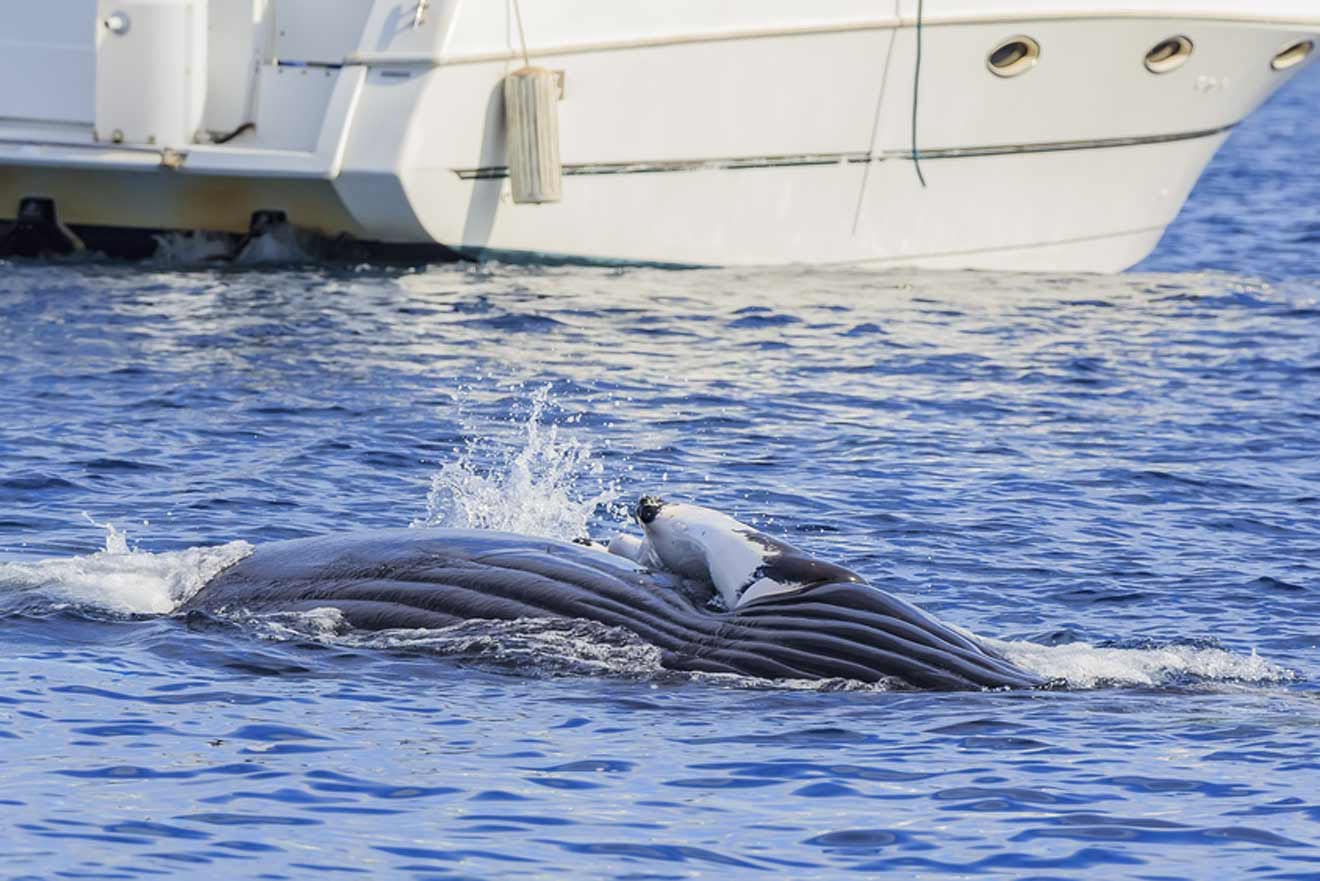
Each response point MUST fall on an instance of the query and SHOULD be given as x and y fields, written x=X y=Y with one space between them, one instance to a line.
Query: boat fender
x=531 y=112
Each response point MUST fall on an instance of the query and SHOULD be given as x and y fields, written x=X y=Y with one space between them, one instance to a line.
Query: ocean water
x=1115 y=479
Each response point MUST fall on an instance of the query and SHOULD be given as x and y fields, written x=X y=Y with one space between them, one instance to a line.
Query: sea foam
x=1081 y=665
x=121 y=579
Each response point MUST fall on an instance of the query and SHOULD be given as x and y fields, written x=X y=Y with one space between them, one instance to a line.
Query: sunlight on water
x=540 y=482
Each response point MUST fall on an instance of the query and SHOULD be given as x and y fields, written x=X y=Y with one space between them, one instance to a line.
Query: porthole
x=1169 y=55
x=1013 y=56
x=1291 y=56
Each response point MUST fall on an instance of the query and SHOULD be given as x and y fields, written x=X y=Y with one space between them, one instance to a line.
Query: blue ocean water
x=1115 y=478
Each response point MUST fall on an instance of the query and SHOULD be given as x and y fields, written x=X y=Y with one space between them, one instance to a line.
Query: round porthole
x=1013 y=56
x=1293 y=55
x=1168 y=55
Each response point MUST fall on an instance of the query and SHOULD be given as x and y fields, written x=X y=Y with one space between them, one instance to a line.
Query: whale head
x=741 y=563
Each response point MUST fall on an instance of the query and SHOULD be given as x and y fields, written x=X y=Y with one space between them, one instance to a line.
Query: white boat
x=1020 y=134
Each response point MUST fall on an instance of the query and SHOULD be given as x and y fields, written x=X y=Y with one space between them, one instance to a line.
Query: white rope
x=522 y=38
x=875 y=128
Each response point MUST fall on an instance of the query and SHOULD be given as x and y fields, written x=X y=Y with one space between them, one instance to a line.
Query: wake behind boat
x=945 y=133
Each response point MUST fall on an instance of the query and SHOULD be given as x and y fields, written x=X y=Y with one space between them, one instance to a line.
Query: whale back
x=434 y=578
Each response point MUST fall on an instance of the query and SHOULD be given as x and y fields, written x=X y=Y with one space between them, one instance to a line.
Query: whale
x=806 y=620
x=741 y=563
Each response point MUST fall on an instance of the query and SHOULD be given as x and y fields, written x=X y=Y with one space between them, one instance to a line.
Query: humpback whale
x=785 y=614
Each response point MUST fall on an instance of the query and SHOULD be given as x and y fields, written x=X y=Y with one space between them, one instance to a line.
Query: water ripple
x=1115 y=477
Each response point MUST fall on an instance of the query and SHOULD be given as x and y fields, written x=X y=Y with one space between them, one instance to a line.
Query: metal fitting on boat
x=1169 y=54
x=118 y=23
x=172 y=160
x=1013 y=56
x=1292 y=55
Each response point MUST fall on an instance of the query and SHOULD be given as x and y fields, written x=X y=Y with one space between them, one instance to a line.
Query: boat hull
x=743 y=135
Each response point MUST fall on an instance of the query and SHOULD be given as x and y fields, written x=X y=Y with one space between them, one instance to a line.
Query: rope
x=916 y=94
x=522 y=38
x=875 y=127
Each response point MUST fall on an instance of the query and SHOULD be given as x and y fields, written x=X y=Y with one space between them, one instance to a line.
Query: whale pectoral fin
x=800 y=569
x=790 y=572
x=630 y=547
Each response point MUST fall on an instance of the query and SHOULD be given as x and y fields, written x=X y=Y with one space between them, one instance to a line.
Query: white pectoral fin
x=630 y=547
x=764 y=587
x=741 y=559
x=792 y=571
x=639 y=550
x=741 y=563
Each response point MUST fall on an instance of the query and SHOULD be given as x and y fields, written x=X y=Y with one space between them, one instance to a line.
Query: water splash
x=119 y=579
x=538 y=647
x=547 y=485
x=116 y=542
x=278 y=244
x=556 y=647
x=327 y=625
x=1081 y=665
x=192 y=248
x=542 y=646
x=533 y=647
